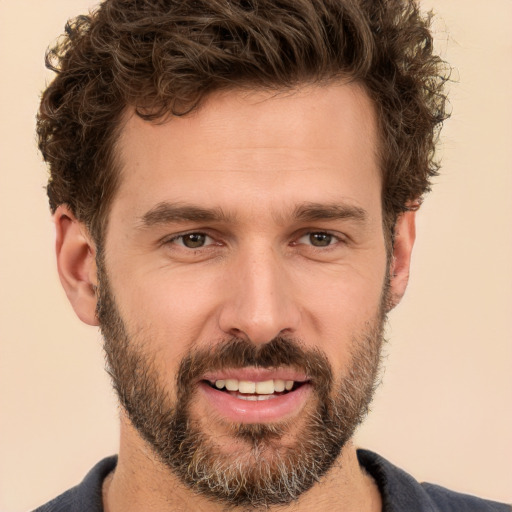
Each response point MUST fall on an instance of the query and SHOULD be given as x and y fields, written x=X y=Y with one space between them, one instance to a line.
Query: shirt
x=400 y=492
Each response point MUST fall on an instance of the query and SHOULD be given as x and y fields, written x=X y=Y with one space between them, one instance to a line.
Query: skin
x=257 y=156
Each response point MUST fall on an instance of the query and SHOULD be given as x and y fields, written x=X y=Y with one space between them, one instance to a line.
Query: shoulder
x=402 y=493
x=86 y=496
x=449 y=501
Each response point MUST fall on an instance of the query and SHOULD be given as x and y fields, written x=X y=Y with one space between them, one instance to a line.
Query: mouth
x=256 y=395
x=255 y=390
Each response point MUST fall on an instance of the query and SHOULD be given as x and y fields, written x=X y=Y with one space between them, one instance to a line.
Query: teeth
x=267 y=387
x=231 y=384
x=264 y=388
x=245 y=386
x=279 y=385
x=256 y=398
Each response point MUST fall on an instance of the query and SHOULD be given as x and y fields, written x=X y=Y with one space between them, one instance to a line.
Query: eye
x=318 y=239
x=192 y=240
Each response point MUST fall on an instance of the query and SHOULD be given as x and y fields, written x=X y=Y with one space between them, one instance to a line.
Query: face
x=242 y=286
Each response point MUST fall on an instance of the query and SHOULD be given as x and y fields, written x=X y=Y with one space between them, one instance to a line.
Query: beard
x=270 y=469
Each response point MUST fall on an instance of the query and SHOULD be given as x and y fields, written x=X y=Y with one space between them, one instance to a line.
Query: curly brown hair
x=162 y=57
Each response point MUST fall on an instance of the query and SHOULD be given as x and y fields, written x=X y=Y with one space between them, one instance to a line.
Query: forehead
x=257 y=148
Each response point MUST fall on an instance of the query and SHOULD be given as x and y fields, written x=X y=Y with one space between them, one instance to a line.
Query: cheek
x=342 y=309
x=172 y=308
x=346 y=294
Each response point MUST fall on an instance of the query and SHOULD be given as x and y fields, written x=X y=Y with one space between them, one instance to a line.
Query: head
x=233 y=185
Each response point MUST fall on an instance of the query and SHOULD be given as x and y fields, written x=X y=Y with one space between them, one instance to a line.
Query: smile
x=251 y=399
x=255 y=391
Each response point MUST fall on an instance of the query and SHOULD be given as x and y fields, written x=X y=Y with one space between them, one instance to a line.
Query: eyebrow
x=167 y=213
x=331 y=211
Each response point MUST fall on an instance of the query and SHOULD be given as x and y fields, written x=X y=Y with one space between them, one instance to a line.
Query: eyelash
x=181 y=237
x=336 y=239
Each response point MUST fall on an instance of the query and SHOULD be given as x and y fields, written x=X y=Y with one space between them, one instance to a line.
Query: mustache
x=238 y=353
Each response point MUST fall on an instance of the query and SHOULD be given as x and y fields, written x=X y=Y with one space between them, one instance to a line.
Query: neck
x=141 y=482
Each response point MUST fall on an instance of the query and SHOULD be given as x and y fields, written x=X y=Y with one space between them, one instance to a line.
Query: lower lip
x=274 y=409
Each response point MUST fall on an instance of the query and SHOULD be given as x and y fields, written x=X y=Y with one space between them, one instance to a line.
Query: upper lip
x=253 y=374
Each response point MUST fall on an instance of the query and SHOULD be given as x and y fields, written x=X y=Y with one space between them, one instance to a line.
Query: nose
x=260 y=303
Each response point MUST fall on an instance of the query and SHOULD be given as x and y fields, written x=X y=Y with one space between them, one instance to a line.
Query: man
x=234 y=186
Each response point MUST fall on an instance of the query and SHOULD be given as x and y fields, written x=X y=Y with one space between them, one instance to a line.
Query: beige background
x=444 y=412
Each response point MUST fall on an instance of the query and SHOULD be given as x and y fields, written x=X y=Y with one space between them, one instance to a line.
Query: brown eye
x=320 y=239
x=194 y=240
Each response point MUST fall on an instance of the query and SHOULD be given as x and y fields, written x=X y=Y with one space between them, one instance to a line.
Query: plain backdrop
x=444 y=410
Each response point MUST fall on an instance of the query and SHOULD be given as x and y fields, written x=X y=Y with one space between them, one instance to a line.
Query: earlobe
x=76 y=263
x=405 y=234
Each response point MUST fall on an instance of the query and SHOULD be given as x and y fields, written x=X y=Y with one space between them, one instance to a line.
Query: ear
x=405 y=234
x=76 y=263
